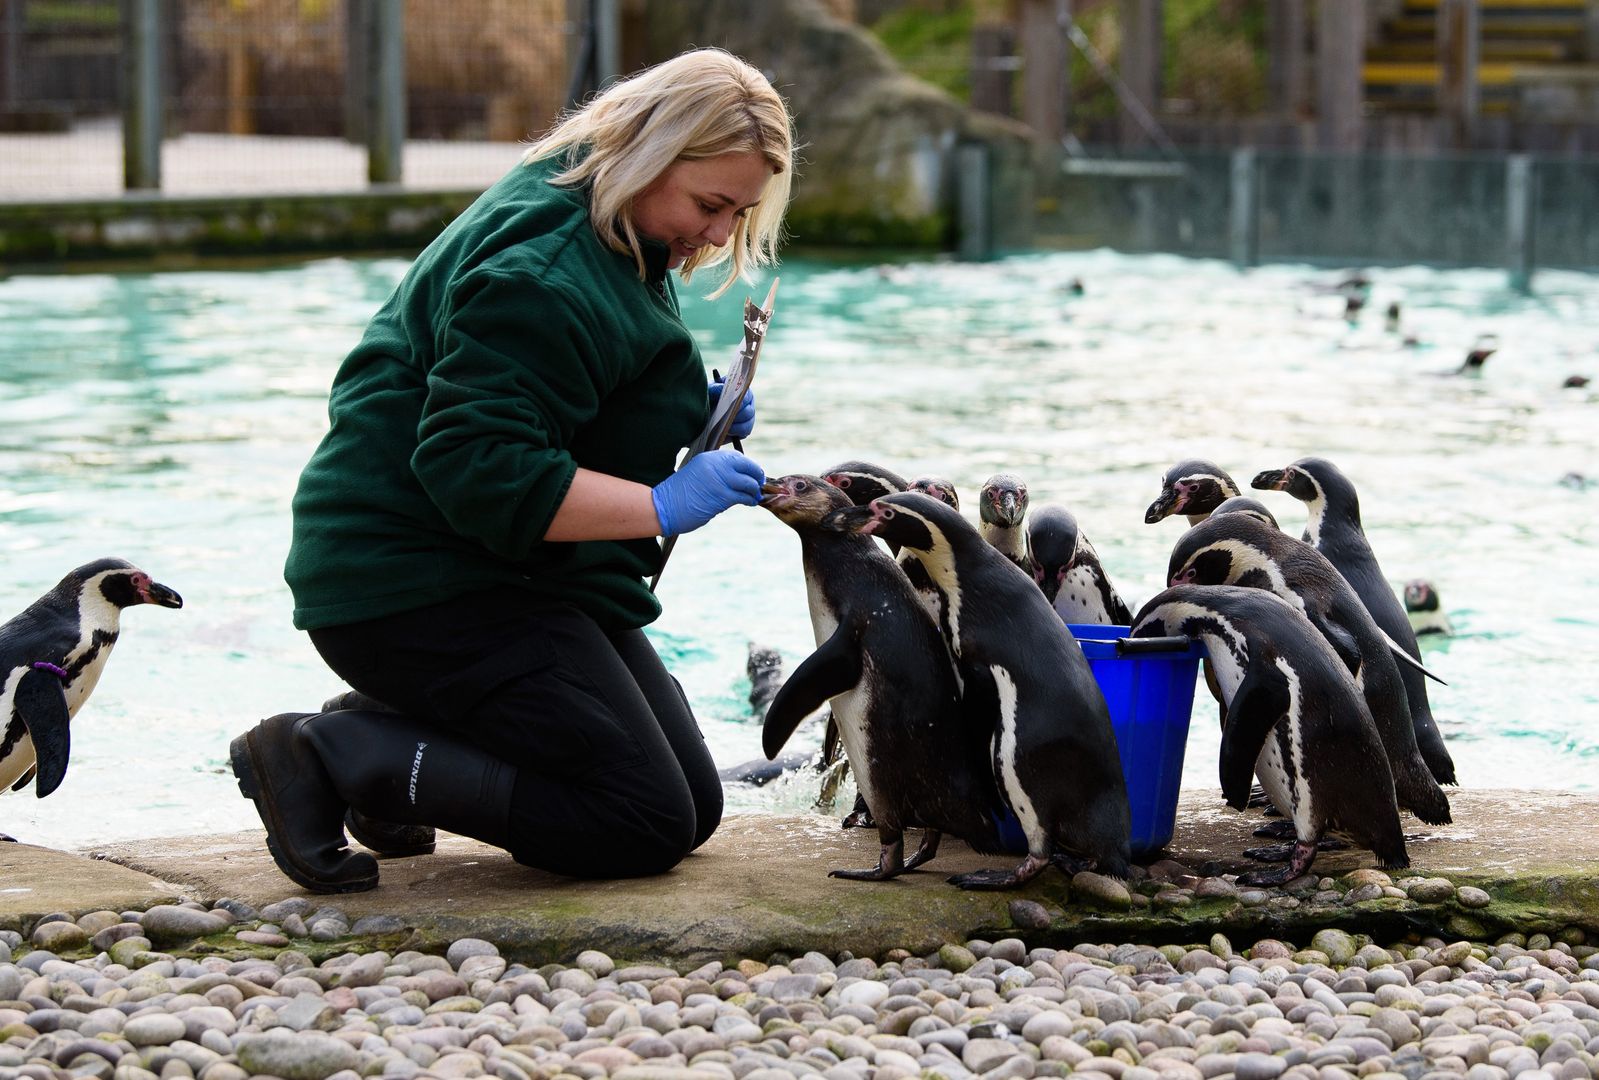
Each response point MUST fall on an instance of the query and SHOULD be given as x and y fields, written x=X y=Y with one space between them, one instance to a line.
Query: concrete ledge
x=139 y=226
x=760 y=885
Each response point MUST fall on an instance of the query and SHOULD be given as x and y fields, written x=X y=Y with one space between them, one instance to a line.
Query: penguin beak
x=162 y=596
x=771 y=491
x=855 y=519
x=1271 y=480
x=1162 y=507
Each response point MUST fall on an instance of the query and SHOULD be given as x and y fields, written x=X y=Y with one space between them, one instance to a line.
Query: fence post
x=607 y=15
x=142 y=105
x=1340 y=48
x=11 y=34
x=1140 y=62
x=1521 y=193
x=974 y=238
x=1459 y=49
x=1244 y=234
x=385 y=136
x=1044 y=66
x=357 y=86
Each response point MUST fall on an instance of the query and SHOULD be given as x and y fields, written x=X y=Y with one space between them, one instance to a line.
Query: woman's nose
x=720 y=228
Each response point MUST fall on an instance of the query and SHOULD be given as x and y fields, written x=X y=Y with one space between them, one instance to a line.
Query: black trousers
x=613 y=776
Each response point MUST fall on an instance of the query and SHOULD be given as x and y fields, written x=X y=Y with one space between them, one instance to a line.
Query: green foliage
x=933 y=42
x=64 y=14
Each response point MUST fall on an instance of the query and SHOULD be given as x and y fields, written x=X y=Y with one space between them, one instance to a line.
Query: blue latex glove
x=710 y=483
x=744 y=421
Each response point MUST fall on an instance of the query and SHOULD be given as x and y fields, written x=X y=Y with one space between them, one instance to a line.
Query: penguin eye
x=888 y=512
x=800 y=485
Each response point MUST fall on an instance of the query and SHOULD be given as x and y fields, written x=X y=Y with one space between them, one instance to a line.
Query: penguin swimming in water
x=1422 y=608
x=51 y=657
x=1391 y=318
x=1294 y=718
x=1067 y=569
x=1053 y=750
x=1333 y=528
x=1001 y=507
x=1240 y=549
x=1486 y=345
x=917 y=758
x=1194 y=487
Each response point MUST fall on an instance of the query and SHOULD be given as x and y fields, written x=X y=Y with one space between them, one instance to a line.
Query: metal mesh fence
x=262 y=96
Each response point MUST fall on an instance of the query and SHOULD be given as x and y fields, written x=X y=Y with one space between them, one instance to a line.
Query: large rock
x=877 y=145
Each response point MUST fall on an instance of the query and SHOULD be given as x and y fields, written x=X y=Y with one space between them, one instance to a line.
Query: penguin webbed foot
x=890 y=864
x=1023 y=872
x=926 y=850
x=1281 y=829
x=6 y=838
x=1071 y=864
x=860 y=817
x=1301 y=854
x=1285 y=852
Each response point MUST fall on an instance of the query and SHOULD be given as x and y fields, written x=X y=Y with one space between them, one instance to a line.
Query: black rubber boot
x=385 y=839
x=395 y=769
x=303 y=813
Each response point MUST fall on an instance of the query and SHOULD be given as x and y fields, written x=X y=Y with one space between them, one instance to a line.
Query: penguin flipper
x=1342 y=641
x=1259 y=702
x=25 y=779
x=1405 y=658
x=833 y=668
x=41 y=704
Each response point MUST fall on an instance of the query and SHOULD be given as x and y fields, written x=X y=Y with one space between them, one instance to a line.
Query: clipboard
x=739 y=379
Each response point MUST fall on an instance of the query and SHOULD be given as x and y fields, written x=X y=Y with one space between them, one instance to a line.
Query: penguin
x=1001 y=506
x=1194 y=487
x=863 y=481
x=1486 y=345
x=1068 y=570
x=917 y=757
x=938 y=488
x=1353 y=302
x=1294 y=718
x=1049 y=733
x=1390 y=320
x=765 y=670
x=1243 y=504
x=1422 y=608
x=52 y=654
x=1240 y=549
x=1575 y=382
x=1334 y=529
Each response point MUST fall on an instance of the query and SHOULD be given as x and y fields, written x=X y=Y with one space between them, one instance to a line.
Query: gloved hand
x=708 y=484
x=744 y=422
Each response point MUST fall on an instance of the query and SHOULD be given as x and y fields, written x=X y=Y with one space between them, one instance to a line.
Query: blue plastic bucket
x=1149 y=687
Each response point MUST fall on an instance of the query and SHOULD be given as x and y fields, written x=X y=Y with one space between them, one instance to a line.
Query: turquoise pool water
x=164 y=417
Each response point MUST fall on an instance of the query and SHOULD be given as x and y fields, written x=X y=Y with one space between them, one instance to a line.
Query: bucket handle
x=1129 y=646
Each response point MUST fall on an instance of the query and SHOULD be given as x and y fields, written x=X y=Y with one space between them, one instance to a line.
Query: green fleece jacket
x=516 y=348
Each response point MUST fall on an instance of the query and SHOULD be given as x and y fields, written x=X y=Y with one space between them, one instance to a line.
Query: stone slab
x=760 y=885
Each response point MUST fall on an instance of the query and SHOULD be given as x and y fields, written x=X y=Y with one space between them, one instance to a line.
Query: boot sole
x=242 y=757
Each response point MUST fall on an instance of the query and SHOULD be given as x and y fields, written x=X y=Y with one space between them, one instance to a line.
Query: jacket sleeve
x=515 y=374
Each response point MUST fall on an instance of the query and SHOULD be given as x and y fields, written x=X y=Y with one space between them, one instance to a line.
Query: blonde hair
x=700 y=104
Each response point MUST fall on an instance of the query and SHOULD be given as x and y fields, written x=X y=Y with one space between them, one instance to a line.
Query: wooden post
x=386 y=79
x=357 y=87
x=1459 y=49
x=1591 y=21
x=1521 y=191
x=11 y=63
x=975 y=228
x=241 y=87
x=1244 y=209
x=1285 y=45
x=993 y=59
x=1043 y=70
x=1340 y=49
x=1142 y=29
x=142 y=105
x=607 y=16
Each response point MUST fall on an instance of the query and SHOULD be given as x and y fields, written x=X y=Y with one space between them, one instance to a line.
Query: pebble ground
x=1339 y=1006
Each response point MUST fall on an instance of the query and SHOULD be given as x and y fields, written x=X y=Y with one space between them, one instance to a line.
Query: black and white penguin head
x=1420 y=595
x=1194 y=486
x=863 y=481
x=1222 y=550
x=800 y=501
x=938 y=488
x=1003 y=501
x=907 y=519
x=1484 y=347
x=117 y=583
x=1243 y=504
x=1316 y=482
x=1052 y=540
